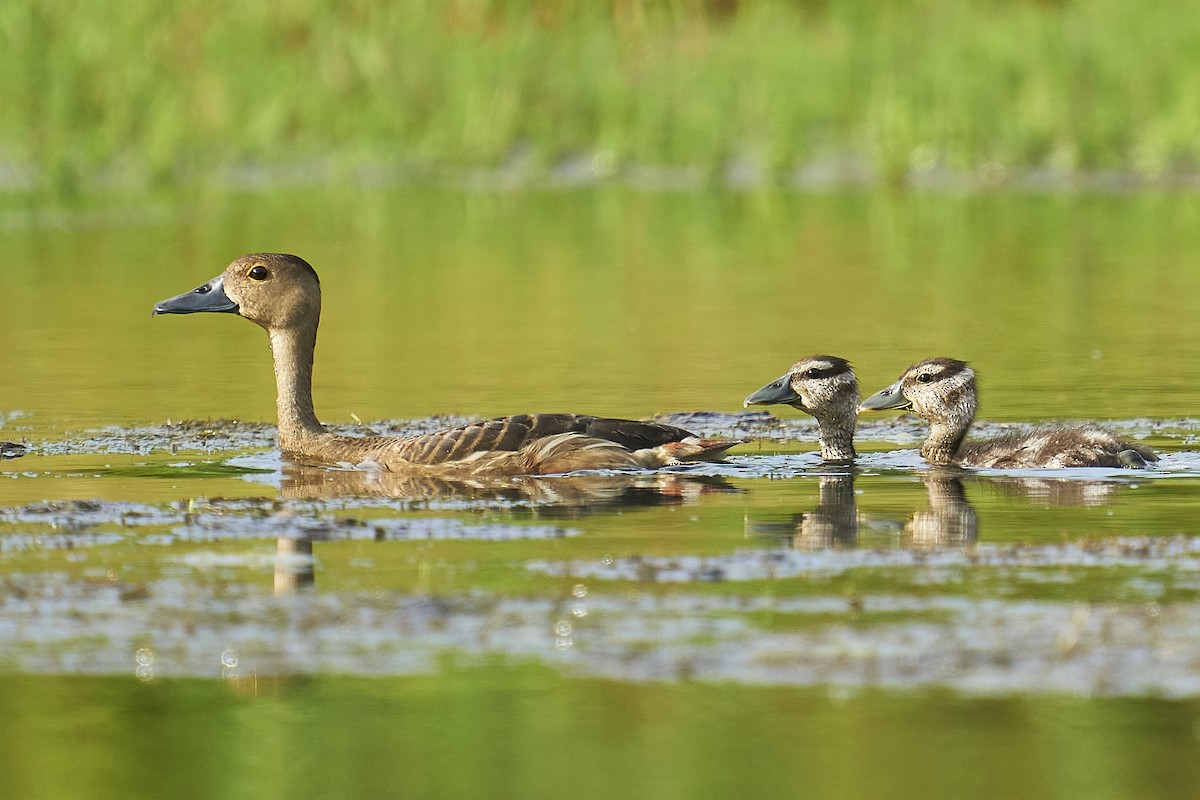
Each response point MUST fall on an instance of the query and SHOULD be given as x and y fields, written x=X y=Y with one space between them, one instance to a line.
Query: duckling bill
x=943 y=391
x=282 y=294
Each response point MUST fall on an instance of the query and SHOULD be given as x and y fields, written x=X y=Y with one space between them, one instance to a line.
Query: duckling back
x=1055 y=447
x=944 y=392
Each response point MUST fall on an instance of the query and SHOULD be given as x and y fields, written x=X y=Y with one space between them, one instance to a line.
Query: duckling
x=943 y=391
x=826 y=388
x=12 y=450
x=282 y=294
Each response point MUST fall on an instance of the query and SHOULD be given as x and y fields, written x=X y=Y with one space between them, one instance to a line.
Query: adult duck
x=282 y=294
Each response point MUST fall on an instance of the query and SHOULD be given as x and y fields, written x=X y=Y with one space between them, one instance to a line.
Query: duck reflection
x=544 y=496
x=294 y=565
x=832 y=524
x=1056 y=492
x=950 y=520
x=553 y=495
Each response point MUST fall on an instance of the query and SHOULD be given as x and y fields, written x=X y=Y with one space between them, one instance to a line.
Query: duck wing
x=571 y=431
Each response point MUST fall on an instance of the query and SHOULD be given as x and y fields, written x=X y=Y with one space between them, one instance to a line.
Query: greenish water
x=511 y=732
x=194 y=616
x=611 y=301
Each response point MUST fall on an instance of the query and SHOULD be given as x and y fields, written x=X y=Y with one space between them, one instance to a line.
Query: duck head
x=937 y=389
x=817 y=385
x=274 y=290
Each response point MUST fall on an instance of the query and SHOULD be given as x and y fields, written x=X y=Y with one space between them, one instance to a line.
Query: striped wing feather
x=508 y=434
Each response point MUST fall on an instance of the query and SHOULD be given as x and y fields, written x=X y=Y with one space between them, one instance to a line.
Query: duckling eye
x=925 y=377
x=258 y=273
x=812 y=372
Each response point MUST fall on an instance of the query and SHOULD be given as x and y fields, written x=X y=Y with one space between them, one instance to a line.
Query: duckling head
x=941 y=390
x=274 y=290
x=823 y=386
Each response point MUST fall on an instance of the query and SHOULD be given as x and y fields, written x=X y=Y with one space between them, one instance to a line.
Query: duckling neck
x=837 y=439
x=292 y=350
x=943 y=441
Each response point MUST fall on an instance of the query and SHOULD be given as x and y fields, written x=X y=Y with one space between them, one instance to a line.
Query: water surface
x=170 y=587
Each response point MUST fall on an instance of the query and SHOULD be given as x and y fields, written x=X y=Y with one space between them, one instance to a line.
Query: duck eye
x=924 y=377
x=812 y=372
x=258 y=273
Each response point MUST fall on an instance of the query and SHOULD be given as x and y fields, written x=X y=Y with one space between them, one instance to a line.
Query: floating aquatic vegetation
x=50 y=624
x=1180 y=554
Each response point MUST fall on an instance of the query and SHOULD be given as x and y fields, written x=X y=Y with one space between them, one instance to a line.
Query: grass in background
x=154 y=91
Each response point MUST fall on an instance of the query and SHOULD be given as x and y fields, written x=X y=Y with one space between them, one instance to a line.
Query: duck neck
x=945 y=437
x=837 y=440
x=836 y=422
x=292 y=349
x=949 y=420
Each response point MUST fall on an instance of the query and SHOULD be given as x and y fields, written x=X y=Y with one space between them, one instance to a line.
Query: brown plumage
x=944 y=392
x=282 y=294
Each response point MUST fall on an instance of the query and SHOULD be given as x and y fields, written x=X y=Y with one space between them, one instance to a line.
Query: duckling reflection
x=571 y=495
x=950 y=520
x=1055 y=492
x=833 y=524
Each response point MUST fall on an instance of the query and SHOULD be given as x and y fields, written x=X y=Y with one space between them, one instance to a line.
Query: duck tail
x=692 y=448
x=1136 y=456
x=570 y=452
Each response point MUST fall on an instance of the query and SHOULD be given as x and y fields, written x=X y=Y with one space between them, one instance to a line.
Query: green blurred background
x=626 y=207
x=762 y=91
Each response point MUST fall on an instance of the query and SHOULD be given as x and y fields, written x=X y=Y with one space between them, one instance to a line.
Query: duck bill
x=890 y=398
x=779 y=391
x=209 y=297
